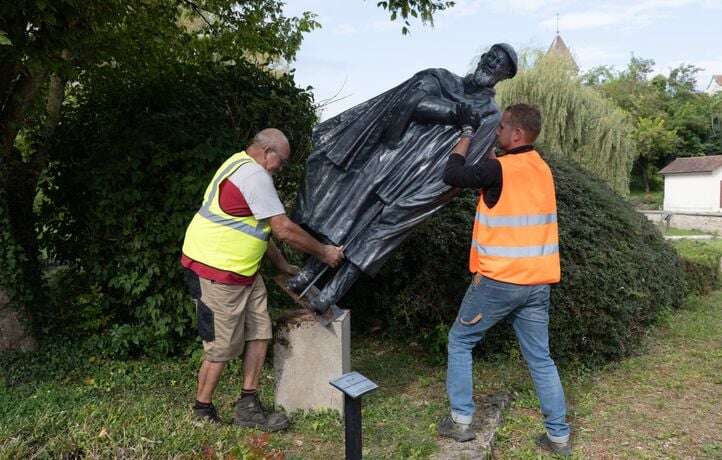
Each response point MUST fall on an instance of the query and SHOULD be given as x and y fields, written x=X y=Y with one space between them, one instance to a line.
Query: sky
x=359 y=53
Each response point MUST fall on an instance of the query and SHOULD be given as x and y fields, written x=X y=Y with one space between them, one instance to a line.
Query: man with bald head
x=222 y=252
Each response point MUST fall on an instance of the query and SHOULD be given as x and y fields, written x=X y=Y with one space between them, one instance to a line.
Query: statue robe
x=366 y=191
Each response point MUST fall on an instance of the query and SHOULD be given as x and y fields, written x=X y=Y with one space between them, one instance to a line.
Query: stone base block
x=487 y=419
x=306 y=356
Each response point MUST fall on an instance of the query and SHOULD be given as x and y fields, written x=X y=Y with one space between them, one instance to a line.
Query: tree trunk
x=56 y=96
x=19 y=178
x=12 y=117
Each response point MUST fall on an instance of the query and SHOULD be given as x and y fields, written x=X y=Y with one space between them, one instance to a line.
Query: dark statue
x=376 y=169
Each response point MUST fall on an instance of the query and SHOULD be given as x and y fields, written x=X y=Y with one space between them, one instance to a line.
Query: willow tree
x=579 y=123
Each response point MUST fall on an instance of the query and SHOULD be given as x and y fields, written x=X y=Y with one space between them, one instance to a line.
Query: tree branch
x=194 y=6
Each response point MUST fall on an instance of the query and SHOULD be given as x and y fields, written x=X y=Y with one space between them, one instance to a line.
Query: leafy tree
x=653 y=139
x=48 y=43
x=423 y=9
x=682 y=80
x=579 y=123
x=596 y=76
x=669 y=118
x=638 y=69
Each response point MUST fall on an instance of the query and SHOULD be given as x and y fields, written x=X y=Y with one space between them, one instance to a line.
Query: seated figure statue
x=376 y=170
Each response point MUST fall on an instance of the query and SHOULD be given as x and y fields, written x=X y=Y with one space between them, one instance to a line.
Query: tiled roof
x=560 y=48
x=693 y=164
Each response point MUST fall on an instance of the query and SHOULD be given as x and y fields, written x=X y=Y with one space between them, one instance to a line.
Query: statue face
x=494 y=66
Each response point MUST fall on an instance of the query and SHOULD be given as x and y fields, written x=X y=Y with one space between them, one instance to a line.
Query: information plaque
x=354 y=385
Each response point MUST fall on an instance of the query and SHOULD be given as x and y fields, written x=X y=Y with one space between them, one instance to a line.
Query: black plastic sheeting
x=376 y=169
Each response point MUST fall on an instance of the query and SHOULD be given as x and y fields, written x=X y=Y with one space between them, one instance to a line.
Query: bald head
x=270 y=149
x=271 y=138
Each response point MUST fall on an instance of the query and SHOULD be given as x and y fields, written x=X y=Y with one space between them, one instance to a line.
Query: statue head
x=497 y=64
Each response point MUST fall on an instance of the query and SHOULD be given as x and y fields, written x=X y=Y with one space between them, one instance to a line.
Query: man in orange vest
x=514 y=258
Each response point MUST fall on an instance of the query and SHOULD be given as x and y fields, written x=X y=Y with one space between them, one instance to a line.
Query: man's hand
x=279 y=260
x=332 y=255
x=289 y=232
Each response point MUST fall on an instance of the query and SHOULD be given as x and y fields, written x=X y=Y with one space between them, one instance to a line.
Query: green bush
x=701 y=264
x=130 y=164
x=618 y=275
x=13 y=283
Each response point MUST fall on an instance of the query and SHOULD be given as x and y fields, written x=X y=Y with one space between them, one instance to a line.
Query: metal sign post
x=353 y=385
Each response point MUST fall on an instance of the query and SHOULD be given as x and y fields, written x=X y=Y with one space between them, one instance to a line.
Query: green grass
x=664 y=403
x=69 y=402
x=646 y=200
x=671 y=231
x=704 y=251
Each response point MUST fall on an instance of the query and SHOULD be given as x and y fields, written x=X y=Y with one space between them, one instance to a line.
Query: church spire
x=559 y=48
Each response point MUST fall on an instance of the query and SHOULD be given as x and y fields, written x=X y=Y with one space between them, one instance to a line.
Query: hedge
x=618 y=275
x=131 y=161
x=701 y=264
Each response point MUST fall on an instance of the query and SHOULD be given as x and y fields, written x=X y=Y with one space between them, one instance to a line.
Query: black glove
x=465 y=116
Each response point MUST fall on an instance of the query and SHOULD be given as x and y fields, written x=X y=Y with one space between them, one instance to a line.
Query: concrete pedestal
x=306 y=356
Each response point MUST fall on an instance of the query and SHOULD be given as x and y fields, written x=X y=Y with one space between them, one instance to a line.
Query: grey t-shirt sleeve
x=257 y=188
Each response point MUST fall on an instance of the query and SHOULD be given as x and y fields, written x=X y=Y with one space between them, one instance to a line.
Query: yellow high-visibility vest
x=220 y=240
x=517 y=241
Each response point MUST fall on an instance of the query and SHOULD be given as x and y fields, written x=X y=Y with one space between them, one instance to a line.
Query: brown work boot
x=249 y=413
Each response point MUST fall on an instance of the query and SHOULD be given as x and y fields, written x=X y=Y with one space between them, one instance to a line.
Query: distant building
x=693 y=184
x=559 y=48
x=715 y=85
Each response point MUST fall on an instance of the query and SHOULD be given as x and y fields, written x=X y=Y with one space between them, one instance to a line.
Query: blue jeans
x=487 y=302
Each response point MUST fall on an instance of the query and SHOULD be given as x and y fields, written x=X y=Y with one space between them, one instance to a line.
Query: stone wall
x=707 y=222
x=13 y=335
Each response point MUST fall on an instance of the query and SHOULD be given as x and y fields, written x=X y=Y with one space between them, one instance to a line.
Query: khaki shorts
x=229 y=316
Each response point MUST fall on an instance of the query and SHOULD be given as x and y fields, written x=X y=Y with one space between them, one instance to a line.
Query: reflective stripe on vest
x=205 y=210
x=515 y=252
x=517 y=241
x=516 y=221
x=222 y=241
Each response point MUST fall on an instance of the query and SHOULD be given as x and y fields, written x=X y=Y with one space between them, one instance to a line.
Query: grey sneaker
x=207 y=414
x=458 y=431
x=558 y=448
x=249 y=413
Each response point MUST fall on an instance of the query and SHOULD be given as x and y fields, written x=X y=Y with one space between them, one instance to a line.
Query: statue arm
x=437 y=110
x=434 y=109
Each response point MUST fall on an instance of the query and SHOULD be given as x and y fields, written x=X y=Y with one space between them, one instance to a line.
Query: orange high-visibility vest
x=517 y=241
